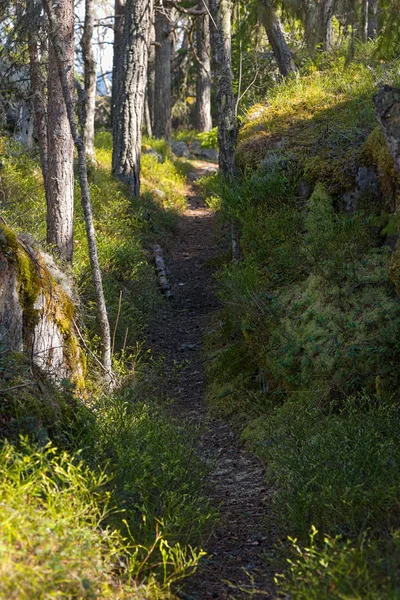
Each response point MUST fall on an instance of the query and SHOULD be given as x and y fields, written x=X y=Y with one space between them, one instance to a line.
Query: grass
x=54 y=540
x=125 y=228
x=319 y=120
x=107 y=498
x=304 y=353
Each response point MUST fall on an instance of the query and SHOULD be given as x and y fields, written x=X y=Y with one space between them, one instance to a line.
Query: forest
x=199 y=299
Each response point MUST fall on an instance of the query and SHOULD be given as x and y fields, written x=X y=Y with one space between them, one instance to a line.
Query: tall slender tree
x=89 y=63
x=60 y=52
x=119 y=14
x=130 y=92
x=203 y=80
x=276 y=38
x=60 y=176
x=162 y=96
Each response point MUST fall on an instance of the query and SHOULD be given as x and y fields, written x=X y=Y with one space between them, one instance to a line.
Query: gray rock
x=195 y=148
x=204 y=153
x=180 y=149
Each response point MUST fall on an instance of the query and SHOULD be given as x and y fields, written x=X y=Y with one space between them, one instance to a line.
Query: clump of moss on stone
x=375 y=153
x=34 y=279
x=28 y=275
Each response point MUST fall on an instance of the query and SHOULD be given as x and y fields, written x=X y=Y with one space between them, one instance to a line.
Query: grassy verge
x=114 y=506
x=305 y=352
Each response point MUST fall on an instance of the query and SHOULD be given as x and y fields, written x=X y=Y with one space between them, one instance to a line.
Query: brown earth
x=238 y=545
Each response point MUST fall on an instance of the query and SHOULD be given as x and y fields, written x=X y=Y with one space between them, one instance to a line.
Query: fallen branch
x=161 y=271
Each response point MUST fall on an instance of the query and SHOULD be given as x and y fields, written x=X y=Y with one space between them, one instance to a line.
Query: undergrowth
x=304 y=355
x=106 y=499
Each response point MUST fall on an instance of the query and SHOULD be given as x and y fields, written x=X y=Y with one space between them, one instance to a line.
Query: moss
x=320 y=121
x=29 y=278
x=375 y=153
x=34 y=279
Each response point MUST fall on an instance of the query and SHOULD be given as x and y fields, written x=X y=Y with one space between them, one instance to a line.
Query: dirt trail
x=239 y=541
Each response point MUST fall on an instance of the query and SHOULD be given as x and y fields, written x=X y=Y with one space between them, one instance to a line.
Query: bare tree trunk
x=147 y=117
x=221 y=11
x=162 y=99
x=60 y=175
x=60 y=55
x=151 y=76
x=90 y=76
x=38 y=97
x=119 y=14
x=326 y=14
x=281 y=50
x=364 y=20
x=203 y=82
x=131 y=84
x=373 y=19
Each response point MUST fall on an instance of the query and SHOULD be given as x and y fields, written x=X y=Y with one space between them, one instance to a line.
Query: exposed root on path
x=237 y=547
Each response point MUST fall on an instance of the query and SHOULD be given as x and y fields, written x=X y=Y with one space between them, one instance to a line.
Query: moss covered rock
x=36 y=310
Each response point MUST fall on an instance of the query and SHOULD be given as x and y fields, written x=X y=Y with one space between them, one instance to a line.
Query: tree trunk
x=281 y=50
x=119 y=14
x=221 y=11
x=151 y=77
x=326 y=14
x=203 y=81
x=60 y=175
x=38 y=96
x=373 y=19
x=61 y=55
x=364 y=20
x=131 y=84
x=162 y=98
x=90 y=76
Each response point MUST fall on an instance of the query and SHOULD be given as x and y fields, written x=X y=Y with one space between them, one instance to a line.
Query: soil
x=235 y=566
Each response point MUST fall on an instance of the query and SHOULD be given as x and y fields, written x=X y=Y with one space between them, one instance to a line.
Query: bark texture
x=373 y=10
x=119 y=16
x=325 y=32
x=281 y=50
x=151 y=76
x=162 y=99
x=203 y=81
x=89 y=75
x=59 y=52
x=38 y=97
x=131 y=86
x=60 y=176
x=221 y=11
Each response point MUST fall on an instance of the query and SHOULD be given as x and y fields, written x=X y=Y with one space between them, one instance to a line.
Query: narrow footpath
x=235 y=560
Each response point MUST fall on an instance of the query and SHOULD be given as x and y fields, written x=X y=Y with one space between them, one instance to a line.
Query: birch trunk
x=60 y=54
x=60 y=175
x=203 y=82
x=89 y=76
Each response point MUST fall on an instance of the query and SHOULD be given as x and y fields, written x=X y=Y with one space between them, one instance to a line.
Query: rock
x=195 y=148
x=36 y=312
x=180 y=149
x=154 y=153
x=204 y=153
x=367 y=181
